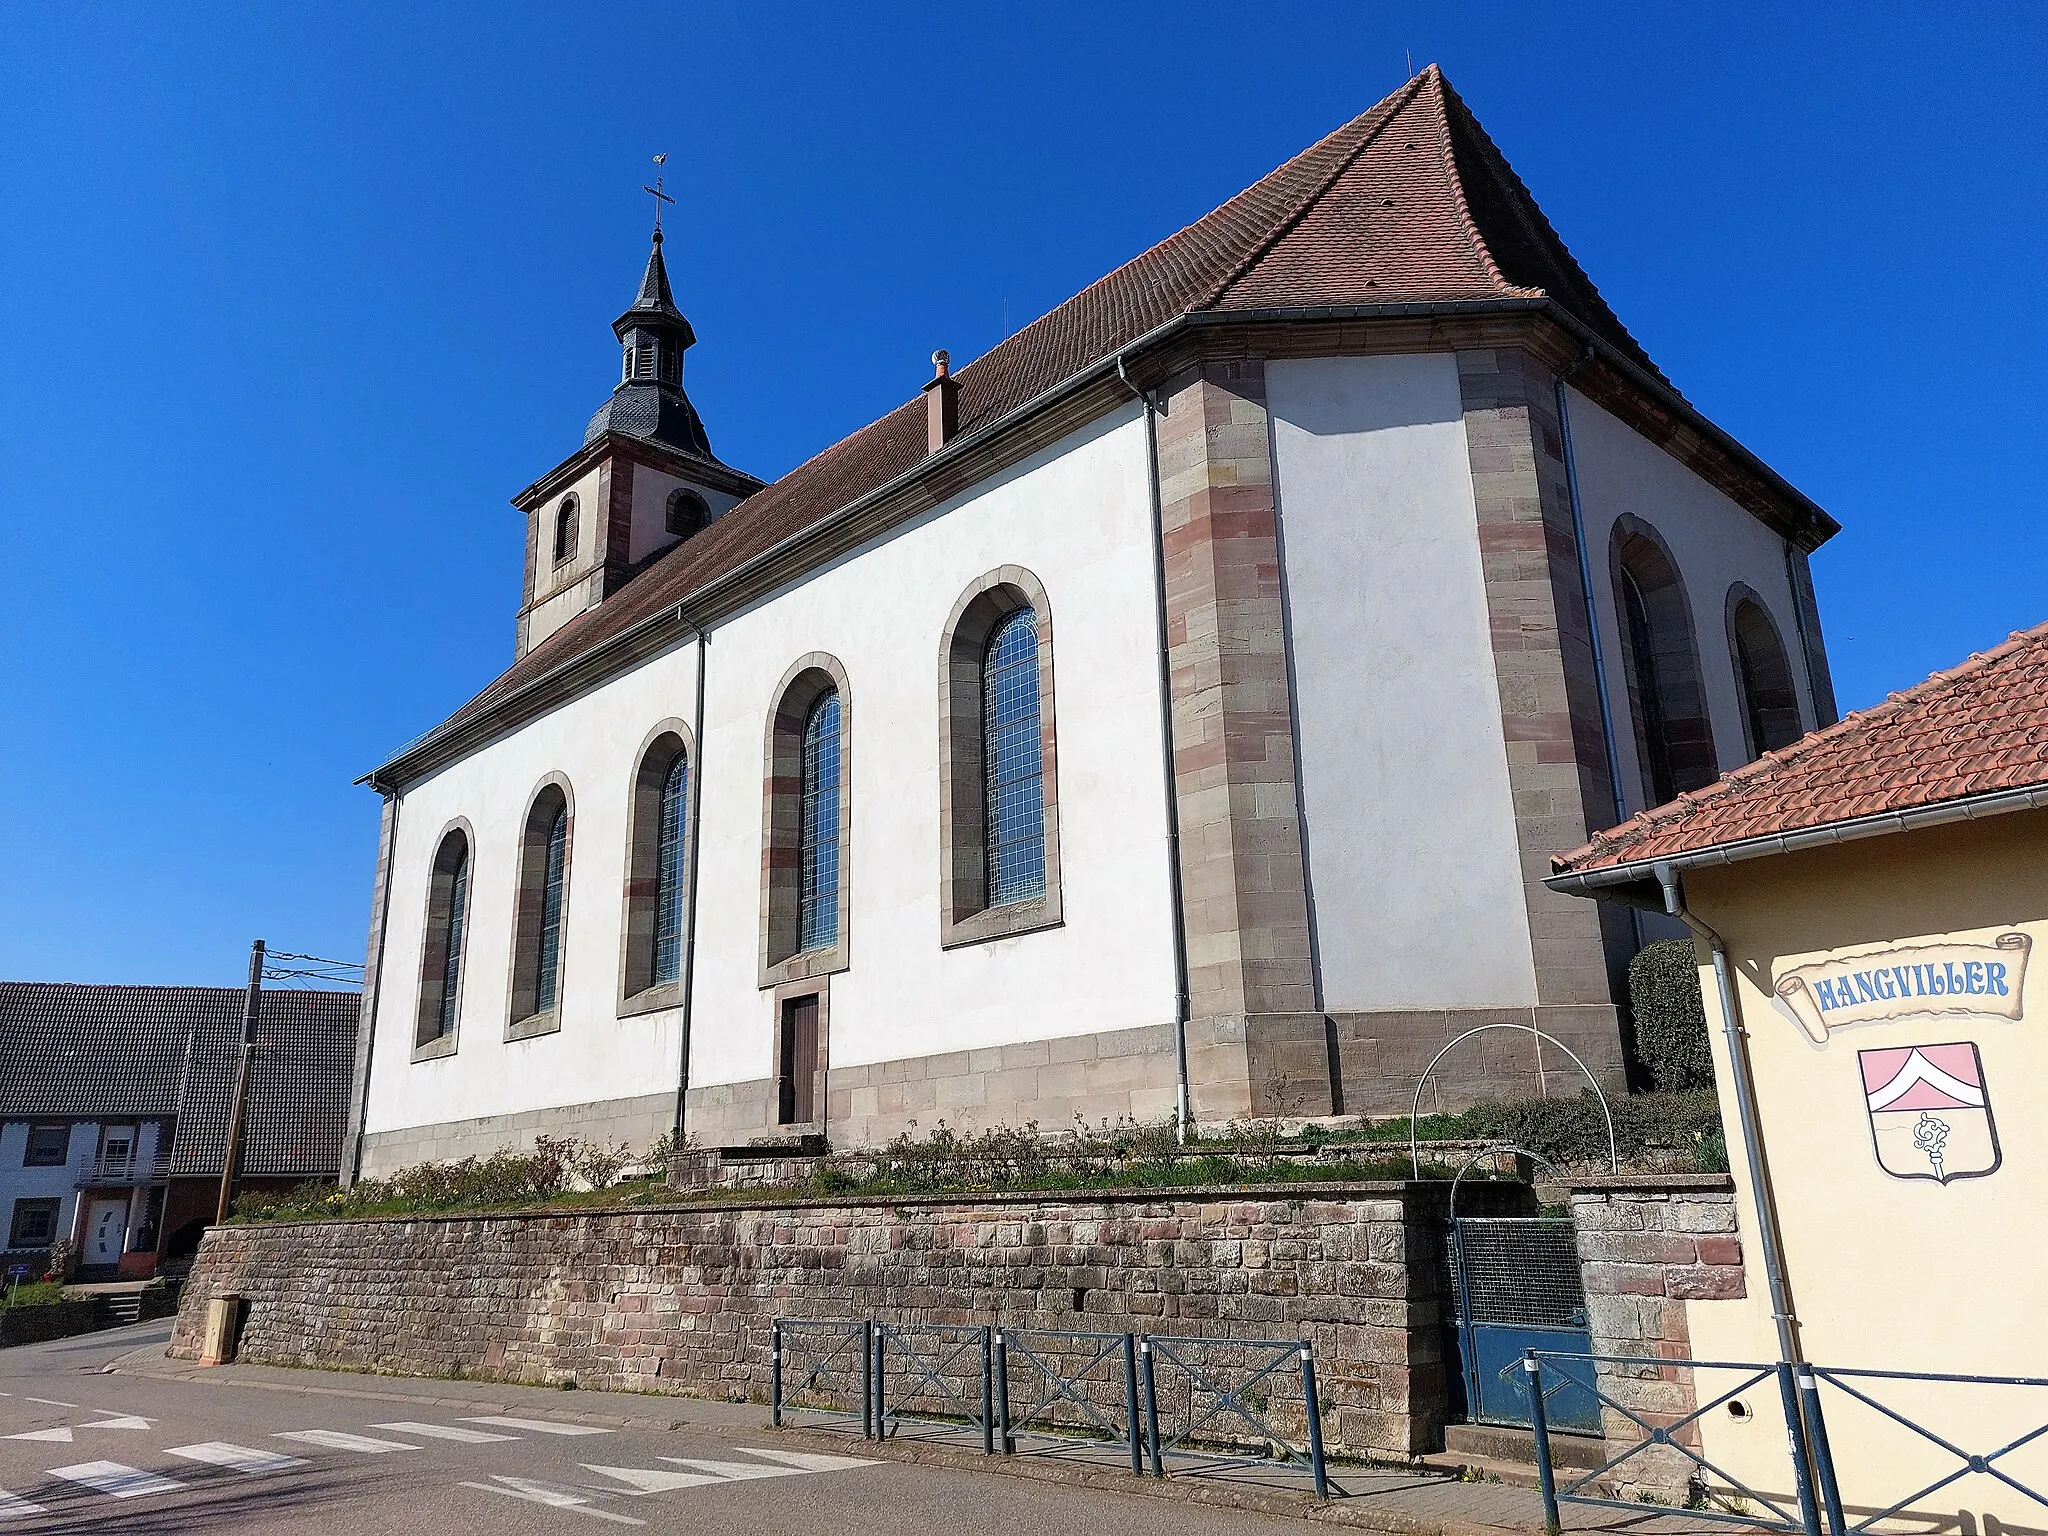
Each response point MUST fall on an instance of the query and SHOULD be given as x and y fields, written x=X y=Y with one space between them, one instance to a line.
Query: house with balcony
x=115 y=1103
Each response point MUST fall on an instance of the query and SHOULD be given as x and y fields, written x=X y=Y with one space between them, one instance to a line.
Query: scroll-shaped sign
x=1985 y=980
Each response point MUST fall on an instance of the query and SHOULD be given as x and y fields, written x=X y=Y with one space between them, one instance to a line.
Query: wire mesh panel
x=1520 y=1270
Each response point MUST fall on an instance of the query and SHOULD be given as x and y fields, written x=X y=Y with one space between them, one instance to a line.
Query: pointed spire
x=654 y=290
x=649 y=401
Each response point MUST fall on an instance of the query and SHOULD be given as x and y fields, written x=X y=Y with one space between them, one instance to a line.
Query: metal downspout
x=1737 y=1040
x=1183 y=1110
x=694 y=843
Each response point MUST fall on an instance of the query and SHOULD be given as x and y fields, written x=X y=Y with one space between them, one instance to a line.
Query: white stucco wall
x=549 y=578
x=650 y=508
x=1413 y=864
x=1077 y=515
x=1716 y=543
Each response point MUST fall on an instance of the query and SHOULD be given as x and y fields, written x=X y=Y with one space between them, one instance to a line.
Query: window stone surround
x=432 y=957
x=522 y=1023
x=808 y=679
x=637 y=995
x=964 y=916
x=1740 y=596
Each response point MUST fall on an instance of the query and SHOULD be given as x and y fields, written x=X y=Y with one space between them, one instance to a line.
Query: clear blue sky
x=293 y=298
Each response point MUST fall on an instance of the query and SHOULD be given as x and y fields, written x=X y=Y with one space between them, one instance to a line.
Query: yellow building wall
x=1887 y=1272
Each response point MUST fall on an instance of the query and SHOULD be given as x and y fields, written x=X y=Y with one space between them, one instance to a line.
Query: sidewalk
x=1392 y=1500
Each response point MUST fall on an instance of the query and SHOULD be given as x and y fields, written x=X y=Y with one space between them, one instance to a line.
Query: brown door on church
x=796 y=1087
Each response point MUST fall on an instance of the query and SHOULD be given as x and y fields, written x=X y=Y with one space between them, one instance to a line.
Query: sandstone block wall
x=681 y=1299
x=1648 y=1246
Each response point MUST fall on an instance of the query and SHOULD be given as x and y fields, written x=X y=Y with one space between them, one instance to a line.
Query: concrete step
x=1505 y=1442
x=125 y=1306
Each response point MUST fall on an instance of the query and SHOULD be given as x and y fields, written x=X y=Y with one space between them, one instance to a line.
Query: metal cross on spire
x=657 y=194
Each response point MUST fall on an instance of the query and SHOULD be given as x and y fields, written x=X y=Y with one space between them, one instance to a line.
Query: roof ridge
x=1738 y=779
x=1288 y=221
x=1457 y=183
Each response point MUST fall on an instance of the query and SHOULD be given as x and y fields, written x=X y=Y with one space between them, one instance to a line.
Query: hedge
x=1671 y=1022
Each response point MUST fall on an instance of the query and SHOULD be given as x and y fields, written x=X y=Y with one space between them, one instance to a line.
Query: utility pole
x=238 y=1120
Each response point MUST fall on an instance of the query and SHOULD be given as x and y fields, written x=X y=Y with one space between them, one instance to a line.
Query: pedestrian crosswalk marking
x=654 y=1479
x=14 y=1507
x=554 y=1498
x=236 y=1458
x=538 y=1426
x=445 y=1432
x=733 y=1471
x=809 y=1461
x=337 y=1440
x=113 y=1478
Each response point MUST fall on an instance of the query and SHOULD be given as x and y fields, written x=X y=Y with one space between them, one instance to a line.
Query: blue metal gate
x=1515 y=1285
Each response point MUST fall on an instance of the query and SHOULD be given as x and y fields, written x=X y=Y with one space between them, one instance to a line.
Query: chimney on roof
x=942 y=404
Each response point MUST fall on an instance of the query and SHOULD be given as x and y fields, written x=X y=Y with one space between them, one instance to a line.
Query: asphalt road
x=85 y=1450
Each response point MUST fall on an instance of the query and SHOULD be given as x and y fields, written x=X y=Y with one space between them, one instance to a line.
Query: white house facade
x=1171 y=713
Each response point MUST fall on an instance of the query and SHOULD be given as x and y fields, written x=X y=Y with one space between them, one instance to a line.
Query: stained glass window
x=668 y=874
x=1013 y=763
x=818 y=887
x=549 y=977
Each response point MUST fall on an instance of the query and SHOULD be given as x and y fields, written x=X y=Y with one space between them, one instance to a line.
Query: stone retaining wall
x=1650 y=1244
x=680 y=1299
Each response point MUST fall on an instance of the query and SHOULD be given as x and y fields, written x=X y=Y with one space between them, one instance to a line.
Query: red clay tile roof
x=1974 y=730
x=1410 y=202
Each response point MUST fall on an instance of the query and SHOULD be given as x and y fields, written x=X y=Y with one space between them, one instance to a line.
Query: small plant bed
x=42 y=1293
x=1677 y=1132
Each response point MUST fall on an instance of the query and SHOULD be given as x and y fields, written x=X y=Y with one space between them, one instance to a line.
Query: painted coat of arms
x=1930 y=1116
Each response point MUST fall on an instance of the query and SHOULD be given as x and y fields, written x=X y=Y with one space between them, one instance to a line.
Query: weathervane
x=657 y=194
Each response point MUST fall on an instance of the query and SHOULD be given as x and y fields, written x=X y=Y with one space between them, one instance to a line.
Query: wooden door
x=797 y=1085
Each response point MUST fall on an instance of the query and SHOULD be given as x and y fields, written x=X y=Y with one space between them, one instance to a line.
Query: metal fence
x=1164 y=1405
x=1817 y=1404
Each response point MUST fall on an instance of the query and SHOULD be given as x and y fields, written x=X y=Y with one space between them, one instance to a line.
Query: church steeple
x=649 y=401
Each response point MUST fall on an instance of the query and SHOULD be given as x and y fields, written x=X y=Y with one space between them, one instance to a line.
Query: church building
x=1171 y=713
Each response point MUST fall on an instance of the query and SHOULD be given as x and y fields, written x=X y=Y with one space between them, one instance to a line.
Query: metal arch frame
x=1492 y=1151
x=1415 y=1109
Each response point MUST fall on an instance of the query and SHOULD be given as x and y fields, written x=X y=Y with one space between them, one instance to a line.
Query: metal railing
x=1818 y=1499
x=920 y=1375
x=1072 y=1382
x=831 y=1364
x=1222 y=1400
x=104 y=1170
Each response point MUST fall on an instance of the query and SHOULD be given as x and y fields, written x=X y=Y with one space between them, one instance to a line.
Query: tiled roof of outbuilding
x=298 y=1085
x=74 y=1051
x=1410 y=202
x=1974 y=730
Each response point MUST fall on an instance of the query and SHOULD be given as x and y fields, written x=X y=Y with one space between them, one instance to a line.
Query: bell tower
x=644 y=481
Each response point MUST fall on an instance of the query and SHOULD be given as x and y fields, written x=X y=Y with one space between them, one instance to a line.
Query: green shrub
x=41 y=1294
x=1671 y=1023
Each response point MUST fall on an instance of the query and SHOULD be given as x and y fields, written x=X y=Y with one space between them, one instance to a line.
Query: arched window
x=818 y=843
x=806 y=821
x=441 y=950
x=565 y=529
x=998 y=800
x=1770 y=705
x=657 y=884
x=687 y=513
x=543 y=895
x=1674 y=740
x=1012 y=765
